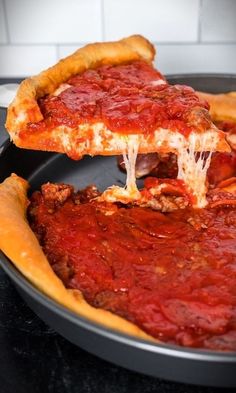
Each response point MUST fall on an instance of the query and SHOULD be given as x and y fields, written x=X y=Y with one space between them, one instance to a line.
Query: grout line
x=45 y=43
x=6 y=22
x=184 y=43
x=200 y=14
x=169 y=43
x=57 y=52
x=103 y=20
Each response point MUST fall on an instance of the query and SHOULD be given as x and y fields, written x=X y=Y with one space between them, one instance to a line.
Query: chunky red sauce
x=127 y=98
x=173 y=275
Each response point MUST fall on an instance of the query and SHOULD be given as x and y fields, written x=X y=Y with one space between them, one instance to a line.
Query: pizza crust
x=25 y=109
x=222 y=106
x=20 y=245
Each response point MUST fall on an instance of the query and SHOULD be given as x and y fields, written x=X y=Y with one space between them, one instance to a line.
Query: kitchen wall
x=190 y=35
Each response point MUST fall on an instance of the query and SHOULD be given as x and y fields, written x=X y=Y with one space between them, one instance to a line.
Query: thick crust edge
x=24 y=108
x=20 y=245
x=222 y=106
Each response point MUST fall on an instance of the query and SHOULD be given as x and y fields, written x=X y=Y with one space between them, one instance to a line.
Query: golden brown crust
x=222 y=106
x=20 y=244
x=24 y=108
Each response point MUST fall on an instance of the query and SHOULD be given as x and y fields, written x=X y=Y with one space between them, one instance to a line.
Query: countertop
x=35 y=359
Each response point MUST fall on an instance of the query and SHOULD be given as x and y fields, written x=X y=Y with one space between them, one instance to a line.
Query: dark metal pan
x=160 y=360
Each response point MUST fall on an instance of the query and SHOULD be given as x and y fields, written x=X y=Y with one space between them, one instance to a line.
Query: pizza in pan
x=157 y=263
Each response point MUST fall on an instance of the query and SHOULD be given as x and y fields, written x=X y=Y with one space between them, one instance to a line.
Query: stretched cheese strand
x=130 y=192
x=192 y=166
x=130 y=163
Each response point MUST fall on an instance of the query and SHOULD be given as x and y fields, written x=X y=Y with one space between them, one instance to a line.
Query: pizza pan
x=170 y=362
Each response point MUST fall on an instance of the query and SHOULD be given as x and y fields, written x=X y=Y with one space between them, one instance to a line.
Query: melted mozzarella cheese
x=130 y=162
x=192 y=163
x=130 y=192
x=60 y=89
x=157 y=82
x=192 y=166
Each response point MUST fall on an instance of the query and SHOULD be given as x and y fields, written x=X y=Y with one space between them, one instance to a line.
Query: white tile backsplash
x=187 y=58
x=3 y=31
x=190 y=35
x=25 y=60
x=174 y=59
x=161 y=21
x=219 y=21
x=66 y=50
x=53 y=21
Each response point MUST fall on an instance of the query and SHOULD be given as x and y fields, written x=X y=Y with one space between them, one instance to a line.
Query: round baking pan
x=165 y=361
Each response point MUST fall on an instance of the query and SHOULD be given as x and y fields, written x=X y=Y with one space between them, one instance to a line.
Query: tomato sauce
x=172 y=274
x=131 y=98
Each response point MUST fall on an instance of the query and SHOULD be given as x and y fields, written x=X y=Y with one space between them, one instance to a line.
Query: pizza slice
x=108 y=99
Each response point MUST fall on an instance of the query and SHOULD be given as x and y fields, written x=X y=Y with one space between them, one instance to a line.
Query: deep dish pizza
x=157 y=262
x=108 y=99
